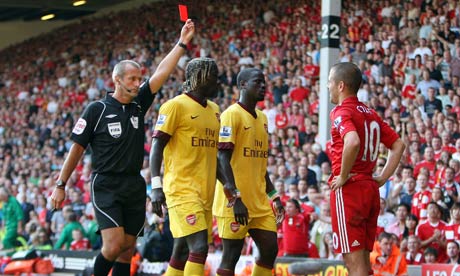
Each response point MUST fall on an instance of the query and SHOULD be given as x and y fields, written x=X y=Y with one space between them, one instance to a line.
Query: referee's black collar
x=110 y=99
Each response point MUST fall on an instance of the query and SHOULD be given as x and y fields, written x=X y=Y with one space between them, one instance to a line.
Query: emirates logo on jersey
x=191 y=219
x=234 y=226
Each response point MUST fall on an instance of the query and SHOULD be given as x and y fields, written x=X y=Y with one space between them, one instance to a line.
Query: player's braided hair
x=198 y=71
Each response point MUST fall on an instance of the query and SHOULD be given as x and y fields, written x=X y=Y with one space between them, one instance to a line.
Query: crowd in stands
x=408 y=51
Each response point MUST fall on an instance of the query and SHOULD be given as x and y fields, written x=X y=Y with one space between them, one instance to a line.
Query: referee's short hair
x=120 y=68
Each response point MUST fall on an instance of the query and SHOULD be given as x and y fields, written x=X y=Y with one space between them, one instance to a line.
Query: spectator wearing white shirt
x=423 y=50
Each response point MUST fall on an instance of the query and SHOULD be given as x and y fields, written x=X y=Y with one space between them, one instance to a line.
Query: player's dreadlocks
x=198 y=71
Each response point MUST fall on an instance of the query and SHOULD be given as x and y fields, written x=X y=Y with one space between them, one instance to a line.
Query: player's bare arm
x=351 y=145
x=157 y=195
x=394 y=156
x=231 y=192
x=168 y=64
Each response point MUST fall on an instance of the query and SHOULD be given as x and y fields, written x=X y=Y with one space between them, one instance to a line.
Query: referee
x=114 y=127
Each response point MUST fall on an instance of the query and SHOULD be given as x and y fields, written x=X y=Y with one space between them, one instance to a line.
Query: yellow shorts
x=232 y=230
x=188 y=218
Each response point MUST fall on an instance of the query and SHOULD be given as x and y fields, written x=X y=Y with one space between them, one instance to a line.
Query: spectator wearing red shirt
x=248 y=31
x=297 y=119
x=354 y=31
x=421 y=199
x=281 y=118
x=79 y=243
x=428 y=162
x=299 y=93
x=414 y=255
x=436 y=144
x=409 y=90
x=446 y=142
x=431 y=232
x=295 y=231
x=452 y=231
x=314 y=104
x=311 y=70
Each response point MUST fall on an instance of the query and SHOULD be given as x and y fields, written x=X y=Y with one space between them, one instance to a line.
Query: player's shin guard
x=261 y=270
x=175 y=268
x=195 y=264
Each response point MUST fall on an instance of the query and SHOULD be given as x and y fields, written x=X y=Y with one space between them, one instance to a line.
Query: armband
x=273 y=195
x=236 y=193
x=156 y=182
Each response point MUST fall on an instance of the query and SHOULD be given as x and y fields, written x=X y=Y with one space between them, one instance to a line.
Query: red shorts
x=354 y=211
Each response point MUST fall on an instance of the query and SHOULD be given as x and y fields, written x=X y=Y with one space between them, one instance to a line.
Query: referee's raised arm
x=168 y=64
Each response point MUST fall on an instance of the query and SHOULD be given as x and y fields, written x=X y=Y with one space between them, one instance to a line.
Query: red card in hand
x=183 y=13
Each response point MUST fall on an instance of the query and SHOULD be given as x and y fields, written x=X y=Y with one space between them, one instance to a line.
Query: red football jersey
x=353 y=115
x=82 y=244
x=426 y=230
x=295 y=235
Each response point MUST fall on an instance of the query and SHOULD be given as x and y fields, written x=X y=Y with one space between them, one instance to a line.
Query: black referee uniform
x=116 y=134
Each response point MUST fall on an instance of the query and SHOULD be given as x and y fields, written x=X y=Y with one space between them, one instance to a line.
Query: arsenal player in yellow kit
x=186 y=137
x=243 y=154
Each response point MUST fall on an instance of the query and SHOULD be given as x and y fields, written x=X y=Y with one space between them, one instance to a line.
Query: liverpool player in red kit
x=356 y=134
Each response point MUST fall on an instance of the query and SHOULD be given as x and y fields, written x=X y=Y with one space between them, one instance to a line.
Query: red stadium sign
x=440 y=270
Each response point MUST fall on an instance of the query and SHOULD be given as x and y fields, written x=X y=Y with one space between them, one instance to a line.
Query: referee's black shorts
x=119 y=201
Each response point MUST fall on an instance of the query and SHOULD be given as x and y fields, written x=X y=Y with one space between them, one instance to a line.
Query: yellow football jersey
x=249 y=137
x=190 y=157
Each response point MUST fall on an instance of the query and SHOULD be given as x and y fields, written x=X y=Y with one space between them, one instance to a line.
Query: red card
x=183 y=13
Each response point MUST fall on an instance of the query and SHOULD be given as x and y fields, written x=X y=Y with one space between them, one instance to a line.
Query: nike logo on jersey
x=246 y=128
x=110 y=116
x=194 y=117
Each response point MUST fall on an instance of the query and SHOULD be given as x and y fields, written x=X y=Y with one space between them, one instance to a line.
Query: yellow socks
x=261 y=271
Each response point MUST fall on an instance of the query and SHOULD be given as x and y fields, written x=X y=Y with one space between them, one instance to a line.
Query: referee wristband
x=273 y=195
x=182 y=45
x=156 y=182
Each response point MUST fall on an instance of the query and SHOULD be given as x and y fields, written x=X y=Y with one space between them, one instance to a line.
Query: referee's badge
x=79 y=126
x=135 y=122
x=115 y=129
